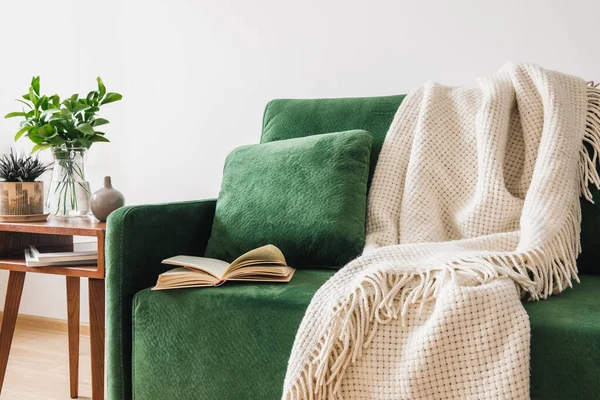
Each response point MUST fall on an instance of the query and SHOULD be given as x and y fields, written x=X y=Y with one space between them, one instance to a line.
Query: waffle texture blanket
x=474 y=205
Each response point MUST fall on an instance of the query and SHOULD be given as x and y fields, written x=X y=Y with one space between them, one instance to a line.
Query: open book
x=264 y=264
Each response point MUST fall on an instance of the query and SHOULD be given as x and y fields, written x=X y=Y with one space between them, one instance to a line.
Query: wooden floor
x=38 y=367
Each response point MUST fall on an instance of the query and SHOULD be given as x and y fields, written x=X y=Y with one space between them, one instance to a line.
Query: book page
x=182 y=278
x=216 y=268
x=265 y=271
x=265 y=255
x=283 y=275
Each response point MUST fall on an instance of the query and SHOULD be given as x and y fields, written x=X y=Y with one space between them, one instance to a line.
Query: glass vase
x=69 y=194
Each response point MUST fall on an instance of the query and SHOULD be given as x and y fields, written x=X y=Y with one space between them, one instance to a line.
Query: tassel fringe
x=383 y=297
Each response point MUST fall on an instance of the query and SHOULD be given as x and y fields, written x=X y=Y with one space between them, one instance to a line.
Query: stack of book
x=62 y=255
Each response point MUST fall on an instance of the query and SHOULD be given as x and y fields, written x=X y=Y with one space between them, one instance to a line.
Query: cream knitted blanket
x=474 y=205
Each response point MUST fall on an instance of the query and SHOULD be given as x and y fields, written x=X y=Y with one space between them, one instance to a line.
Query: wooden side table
x=14 y=238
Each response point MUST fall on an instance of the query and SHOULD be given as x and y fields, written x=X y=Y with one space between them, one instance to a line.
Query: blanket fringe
x=588 y=174
x=383 y=297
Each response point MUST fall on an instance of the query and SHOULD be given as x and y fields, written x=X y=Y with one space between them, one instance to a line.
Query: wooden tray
x=24 y=218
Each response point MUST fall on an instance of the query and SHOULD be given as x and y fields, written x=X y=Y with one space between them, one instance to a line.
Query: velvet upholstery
x=565 y=328
x=307 y=196
x=226 y=343
x=252 y=327
x=588 y=261
x=565 y=343
x=138 y=238
x=291 y=118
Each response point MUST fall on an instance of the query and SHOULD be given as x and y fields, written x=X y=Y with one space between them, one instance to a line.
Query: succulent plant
x=21 y=168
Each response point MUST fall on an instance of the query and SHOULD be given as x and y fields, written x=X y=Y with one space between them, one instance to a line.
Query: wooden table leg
x=96 y=292
x=73 y=285
x=9 y=318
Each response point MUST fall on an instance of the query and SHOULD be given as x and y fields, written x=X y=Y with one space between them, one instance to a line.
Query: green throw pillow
x=307 y=196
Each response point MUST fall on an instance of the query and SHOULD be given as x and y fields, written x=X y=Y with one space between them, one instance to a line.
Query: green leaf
x=40 y=147
x=51 y=111
x=26 y=97
x=86 y=129
x=92 y=96
x=22 y=131
x=59 y=124
x=99 y=138
x=57 y=141
x=47 y=131
x=24 y=102
x=75 y=97
x=15 y=114
x=34 y=100
x=32 y=96
x=110 y=98
x=101 y=88
x=35 y=138
x=35 y=84
x=85 y=142
x=99 y=121
x=80 y=107
x=67 y=104
x=55 y=101
x=79 y=119
x=56 y=117
x=43 y=102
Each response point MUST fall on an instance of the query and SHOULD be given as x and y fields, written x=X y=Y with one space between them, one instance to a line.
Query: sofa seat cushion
x=233 y=342
x=230 y=342
x=565 y=343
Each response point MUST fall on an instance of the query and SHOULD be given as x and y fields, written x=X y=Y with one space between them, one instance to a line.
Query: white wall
x=196 y=75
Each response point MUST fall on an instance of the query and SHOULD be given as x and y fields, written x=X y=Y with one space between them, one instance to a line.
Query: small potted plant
x=68 y=127
x=21 y=196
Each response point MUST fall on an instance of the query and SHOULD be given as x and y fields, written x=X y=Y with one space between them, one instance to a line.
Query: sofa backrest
x=286 y=119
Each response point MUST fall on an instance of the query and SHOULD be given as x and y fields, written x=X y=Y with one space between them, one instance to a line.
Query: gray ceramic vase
x=106 y=200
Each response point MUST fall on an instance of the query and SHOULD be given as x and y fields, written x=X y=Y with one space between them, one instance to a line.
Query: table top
x=87 y=226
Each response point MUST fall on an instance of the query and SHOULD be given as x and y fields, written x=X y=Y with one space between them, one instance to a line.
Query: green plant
x=50 y=122
x=21 y=168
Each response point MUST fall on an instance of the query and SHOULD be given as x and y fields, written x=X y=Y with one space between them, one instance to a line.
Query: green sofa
x=233 y=342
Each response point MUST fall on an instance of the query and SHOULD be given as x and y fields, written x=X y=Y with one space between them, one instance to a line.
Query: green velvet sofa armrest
x=138 y=238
